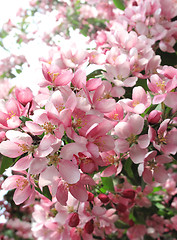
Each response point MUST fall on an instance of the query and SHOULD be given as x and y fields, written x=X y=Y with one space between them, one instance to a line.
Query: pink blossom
x=140 y=101
x=24 y=95
x=22 y=185
x=20 y=143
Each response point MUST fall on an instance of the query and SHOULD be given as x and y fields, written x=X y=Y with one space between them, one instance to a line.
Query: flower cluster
x=94 y=149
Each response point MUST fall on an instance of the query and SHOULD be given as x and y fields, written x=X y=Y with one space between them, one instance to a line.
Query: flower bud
x=24 y=95
x=90 y=197
x=103 y=198
x=121 y=207
x=128 y=193
x=89 y=226
x=154 y=116
x=74 y=220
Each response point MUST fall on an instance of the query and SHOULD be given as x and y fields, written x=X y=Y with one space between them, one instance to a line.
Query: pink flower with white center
x=102 y=98
x=45 y=122
x=160 y=87
x=170 y=101
x=152 y=167
x=10 y=111
x=73 y=52
x=164 y=140
x=55 y=76
x=139 y=103
x=62 y=104
x=119 y=75
x=127 y=135
x=112 y=160
x=117 y=114
x=22 y=185
x=79 y=78
x=19 y=143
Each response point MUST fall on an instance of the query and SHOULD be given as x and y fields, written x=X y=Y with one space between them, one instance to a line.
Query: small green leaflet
x=6 y=163
x=119 y=4
x=108 y=183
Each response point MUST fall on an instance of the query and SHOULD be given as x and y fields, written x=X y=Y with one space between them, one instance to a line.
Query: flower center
x=48 y=127
x=21 y=184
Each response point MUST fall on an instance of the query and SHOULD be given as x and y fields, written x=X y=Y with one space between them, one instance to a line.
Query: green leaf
x=95 y=73
x=119 y=4
x=47 y=193
x=120 y=224
x=18 y=70
x=6 y=163
x=108 y=183
x=24 y=119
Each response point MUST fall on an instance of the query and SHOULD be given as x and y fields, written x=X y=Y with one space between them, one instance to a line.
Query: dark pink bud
x=121 y=207
x=24 y=95
x=128 y=193
x=134 y=3
x=89 y=226
x=131 y=223
x=103 y=198
x=154 y=116
x=90 y=197
x=74 y=220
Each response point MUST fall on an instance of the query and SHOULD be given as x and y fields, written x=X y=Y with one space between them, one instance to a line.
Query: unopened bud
x=103 y=198
x=121 y=207
x=89 y=226
x=154 y=116
x=74 y=220
x=90 y=197
x=128 y=193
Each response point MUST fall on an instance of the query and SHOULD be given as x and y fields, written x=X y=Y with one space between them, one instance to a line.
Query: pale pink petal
x=105 y=105
x=34 y=128
x=123 y=130
x=147 y=175
x=87 y=180
x=62 y=193
x=109 y=171
x=139 y=108
x=13 y=122
x=12 y=152
x=79 y=78
x=137 y=124
x=65 y=117
x=171 y=100
x=130 y=82
x=64 y=78
x=48 y=176
x=160 y=174
x=19 y=137
x=158 y=98
x=143 y=141
x=98 y=211
x=69 y=172
x=163 y=159
x=69 y=149
x=11 y=182
x=79 y=192
x=22 y=163
x=93 y=149
x=37 y=165
x=21 y=195
x=139 y=94
x=121 y=146
x=137 y=154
